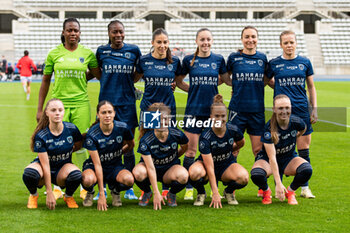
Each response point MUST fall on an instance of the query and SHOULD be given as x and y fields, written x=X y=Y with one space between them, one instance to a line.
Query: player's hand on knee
x=50 y=200
x=216 y=201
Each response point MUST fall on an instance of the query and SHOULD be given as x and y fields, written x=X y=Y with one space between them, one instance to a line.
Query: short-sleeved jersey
x=163 y=153
x=204 y=79
x=247 y=81
x=158 y=76
x=70 y=68
x=59 y=148
x=290 y=77
x=220 y=148
x=287 y=138
x=109 y=147
x=117 y=80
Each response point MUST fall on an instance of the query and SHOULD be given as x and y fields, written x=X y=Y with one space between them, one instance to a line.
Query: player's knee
x=139 y=174
x=305 y=170
x=182 y=176
x=195 y=173
x=74 y=176
x=128 y=180
x=243 y=178
x=257 y=173
x=31 y=176
x=88 y=180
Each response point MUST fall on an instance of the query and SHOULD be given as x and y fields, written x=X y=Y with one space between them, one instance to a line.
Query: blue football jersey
x=220 y=148
x=287 y=138
x=204 y=79
x=117 y=80
x=109 y=147
x=59 y=148
x=165 y=153
x=247 y=81
x=290 y=77
x=158 y=77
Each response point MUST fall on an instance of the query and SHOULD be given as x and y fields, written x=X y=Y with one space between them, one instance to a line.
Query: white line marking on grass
x=334 y=123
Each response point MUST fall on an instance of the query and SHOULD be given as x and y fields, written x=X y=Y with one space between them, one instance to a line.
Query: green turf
x=329 y=212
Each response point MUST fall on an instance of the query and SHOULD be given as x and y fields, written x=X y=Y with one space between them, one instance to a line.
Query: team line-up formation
x=64 y=124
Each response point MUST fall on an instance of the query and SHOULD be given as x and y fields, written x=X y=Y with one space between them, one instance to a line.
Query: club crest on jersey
x=119 y=139
x=260 y=62
x=170 y=67
x=301 y=66
x=294 y=133
x=213 y=65
x=89 y=142
x=38 y=144
x=128 y=55
x=267 y=135
x=174 y=145
x=69 y=139
x=81 y=59
x=230 y=141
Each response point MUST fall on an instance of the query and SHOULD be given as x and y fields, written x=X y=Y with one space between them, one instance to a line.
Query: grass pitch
x=329 y=153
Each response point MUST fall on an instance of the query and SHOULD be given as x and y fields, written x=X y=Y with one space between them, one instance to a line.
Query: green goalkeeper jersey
x=69 y=69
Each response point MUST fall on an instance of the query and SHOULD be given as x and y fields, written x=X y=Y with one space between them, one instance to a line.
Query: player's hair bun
x=218 y=99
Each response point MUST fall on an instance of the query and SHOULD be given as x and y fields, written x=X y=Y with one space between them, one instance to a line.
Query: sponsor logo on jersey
x=107 y=51
x=250 y=62
x=239 y=59
x=119 y=139
x=301 y=66
x=213 y=65
x=260 y=62
x=158 y=67
x=127 y=55
x=203 y=65
x=292 y=67
x=69 y=139
x=149 y=63
x=279 y=66
x=81 y=59
x=170 y=67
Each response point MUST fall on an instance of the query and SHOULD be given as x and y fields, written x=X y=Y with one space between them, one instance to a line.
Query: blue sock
x=72 y=182
x=144 y=185
x=176 y=187
x=233 y=185
x=305 y=155
x=303 y=174
x=165 y=186
x=129 y=160
x=121 y=187
x=188 y=161
x=31 y=178
x=199 y=185
x=258 y=176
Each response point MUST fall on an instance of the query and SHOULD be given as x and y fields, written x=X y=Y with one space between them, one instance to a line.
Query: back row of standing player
x=249 y=68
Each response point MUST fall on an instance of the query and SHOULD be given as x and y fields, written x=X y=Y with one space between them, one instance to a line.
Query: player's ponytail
x=160 y=31
x=218 y=100
x=42 y=124
x=273 y=120
x=197 y=50
x=153 y=108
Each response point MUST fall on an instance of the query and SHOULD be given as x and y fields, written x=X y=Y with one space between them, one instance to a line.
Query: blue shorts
x=110 y=173
x=127 y=114
x=160 y=171
x=309 y=128
x=220 y=168
x=253 y=122
x=53 y=170
x=281 y=162
x=194 y=129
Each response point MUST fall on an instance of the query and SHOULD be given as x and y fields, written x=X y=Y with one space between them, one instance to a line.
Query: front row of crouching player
x=160 y=149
